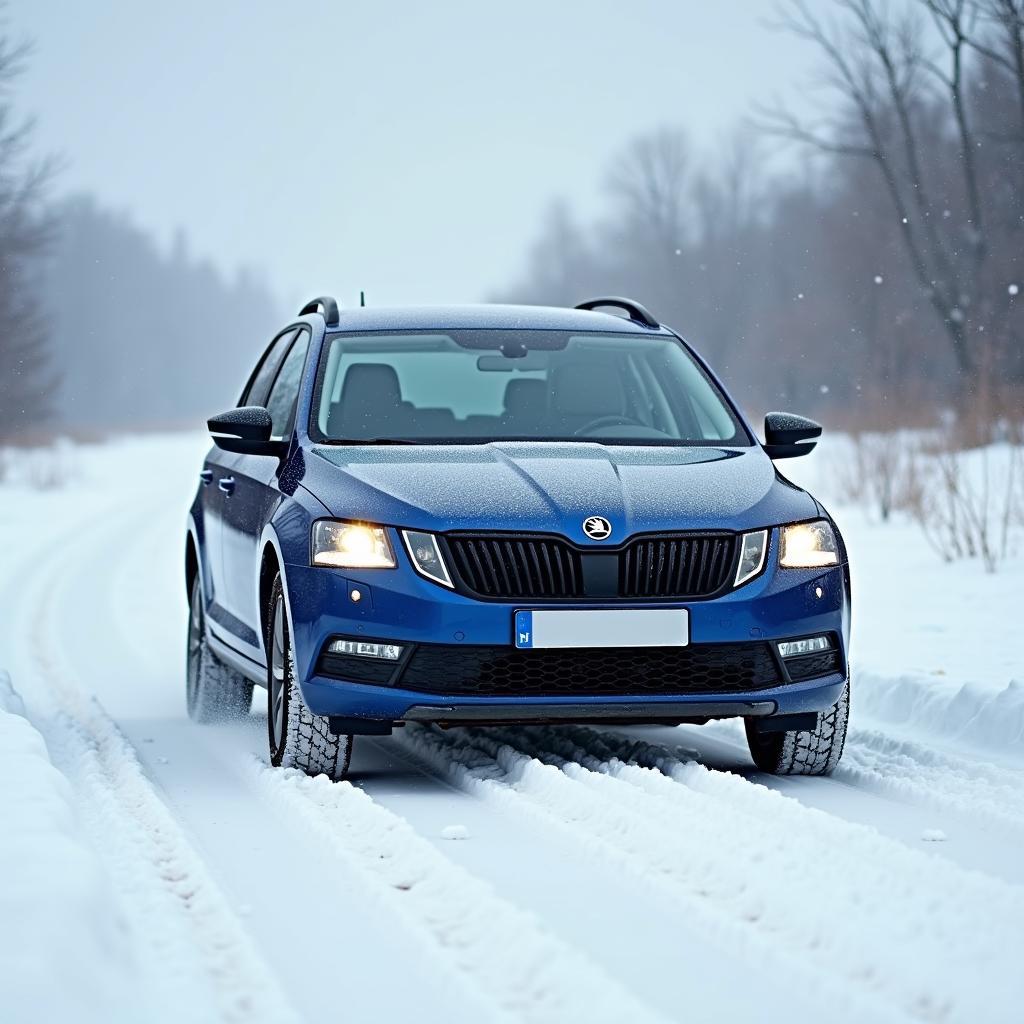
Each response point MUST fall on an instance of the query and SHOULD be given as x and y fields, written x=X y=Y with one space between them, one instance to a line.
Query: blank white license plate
x=602 y=627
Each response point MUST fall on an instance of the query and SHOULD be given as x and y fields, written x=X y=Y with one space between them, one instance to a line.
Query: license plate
x=602 y=627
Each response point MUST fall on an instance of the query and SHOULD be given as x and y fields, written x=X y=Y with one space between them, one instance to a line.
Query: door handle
x=206 y=476
x=226 y=484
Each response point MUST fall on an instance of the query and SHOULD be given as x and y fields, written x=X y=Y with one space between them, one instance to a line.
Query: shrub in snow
x=971 y=503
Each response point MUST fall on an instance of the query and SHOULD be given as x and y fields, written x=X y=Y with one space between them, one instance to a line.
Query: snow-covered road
x=596 y=874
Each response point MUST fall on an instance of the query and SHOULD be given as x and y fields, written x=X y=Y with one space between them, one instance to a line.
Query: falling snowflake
x=679 y=252
x=1013 y=289
x=823 y=389
x=800 y=295
x=878 y=278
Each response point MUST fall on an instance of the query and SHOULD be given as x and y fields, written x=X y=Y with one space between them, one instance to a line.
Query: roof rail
x=633 y=309
x=326 y=306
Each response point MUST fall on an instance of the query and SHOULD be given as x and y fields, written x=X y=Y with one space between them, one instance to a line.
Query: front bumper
x=361 y=701
x=398 y=605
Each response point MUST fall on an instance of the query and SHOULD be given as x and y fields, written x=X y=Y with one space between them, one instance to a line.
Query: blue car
x=482 y=515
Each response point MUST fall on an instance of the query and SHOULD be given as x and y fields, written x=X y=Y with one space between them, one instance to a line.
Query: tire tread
x=804 y=752
x=309 y=744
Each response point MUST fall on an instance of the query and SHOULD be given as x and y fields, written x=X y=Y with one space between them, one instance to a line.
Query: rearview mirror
x=787 y=435
x=245 y=430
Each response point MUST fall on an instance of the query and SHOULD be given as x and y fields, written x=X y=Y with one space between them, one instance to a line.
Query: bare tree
x=898 y=103
x=1004 y=45
x=25 y=231
x=650 y=178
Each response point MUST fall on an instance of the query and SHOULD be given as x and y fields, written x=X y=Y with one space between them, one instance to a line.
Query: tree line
x=100 y=328
x=883 y=272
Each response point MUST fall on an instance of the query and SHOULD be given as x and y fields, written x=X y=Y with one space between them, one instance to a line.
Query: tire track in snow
x=198 y=961
x=517 y=963
x=912 y=771
x=912 y=931
x=878 y=762
x=193 y=941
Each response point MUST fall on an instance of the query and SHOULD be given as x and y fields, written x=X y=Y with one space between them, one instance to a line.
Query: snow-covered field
x=155 y=870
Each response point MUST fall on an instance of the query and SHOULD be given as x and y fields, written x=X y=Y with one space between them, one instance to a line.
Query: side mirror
x=786 y=435
x=245 y=430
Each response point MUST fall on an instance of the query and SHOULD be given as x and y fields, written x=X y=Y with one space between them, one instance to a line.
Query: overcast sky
x=405 y=148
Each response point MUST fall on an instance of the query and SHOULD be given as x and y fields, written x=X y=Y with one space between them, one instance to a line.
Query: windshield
x=489 y=385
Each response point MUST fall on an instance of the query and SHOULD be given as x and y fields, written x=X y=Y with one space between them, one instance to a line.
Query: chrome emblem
x=597 y=528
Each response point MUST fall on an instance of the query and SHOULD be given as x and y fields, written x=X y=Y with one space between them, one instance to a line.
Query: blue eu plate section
x=524 y=630
x=602 y=627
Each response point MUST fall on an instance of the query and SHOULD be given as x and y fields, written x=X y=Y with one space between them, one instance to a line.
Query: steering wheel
x=607 y=421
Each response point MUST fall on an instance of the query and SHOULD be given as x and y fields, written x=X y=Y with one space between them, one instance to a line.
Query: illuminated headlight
x=426 y=556
x=810 y=645
x=752 y=552
x=351 y=546
x=809 y=546
x=389 y=652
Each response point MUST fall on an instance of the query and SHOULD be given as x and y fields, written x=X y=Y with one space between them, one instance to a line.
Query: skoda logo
x=597 y=527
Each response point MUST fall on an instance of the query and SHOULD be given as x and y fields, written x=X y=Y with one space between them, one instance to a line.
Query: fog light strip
x=810 y=645
x=389 y=652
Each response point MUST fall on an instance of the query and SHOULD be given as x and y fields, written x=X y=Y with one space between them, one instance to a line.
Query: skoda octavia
x=504 y=514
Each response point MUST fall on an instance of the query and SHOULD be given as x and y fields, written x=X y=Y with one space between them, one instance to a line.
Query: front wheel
x=298 y=738
x=806 y=752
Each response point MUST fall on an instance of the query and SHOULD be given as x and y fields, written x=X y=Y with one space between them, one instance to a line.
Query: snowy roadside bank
x=64 y=948
x=987 y=719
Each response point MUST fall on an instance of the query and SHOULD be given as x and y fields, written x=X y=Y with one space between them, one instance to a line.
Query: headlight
x=752 y=552
x=351 y=546
x=809 y=546
x=426 y=556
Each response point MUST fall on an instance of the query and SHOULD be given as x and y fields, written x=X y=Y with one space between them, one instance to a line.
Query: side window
x=258 y=388
x=281 y=403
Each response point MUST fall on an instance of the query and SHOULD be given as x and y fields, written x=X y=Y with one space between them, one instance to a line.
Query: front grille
x=676 y=566
x=535 y=567
x=514 y=567
x=506 y=671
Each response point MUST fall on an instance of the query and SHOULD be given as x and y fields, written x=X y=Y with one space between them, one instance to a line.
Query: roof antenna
x=362 y=298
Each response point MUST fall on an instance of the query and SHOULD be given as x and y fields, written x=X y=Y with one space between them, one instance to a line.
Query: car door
x=256 y=494
x=222 y=490
x=216 y=466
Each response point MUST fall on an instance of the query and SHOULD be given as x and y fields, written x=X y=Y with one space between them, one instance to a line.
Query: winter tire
x=298 y=738
x=213 y=692
x=807 y=752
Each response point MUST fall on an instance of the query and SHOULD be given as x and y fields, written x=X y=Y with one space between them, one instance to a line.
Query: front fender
x=287 y=537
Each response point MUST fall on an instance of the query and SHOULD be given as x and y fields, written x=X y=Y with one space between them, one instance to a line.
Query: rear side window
x=285 y=391
x=258 y=388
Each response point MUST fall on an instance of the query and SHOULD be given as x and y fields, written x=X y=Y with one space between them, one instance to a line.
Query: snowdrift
x=63 y=948
x=989 y=719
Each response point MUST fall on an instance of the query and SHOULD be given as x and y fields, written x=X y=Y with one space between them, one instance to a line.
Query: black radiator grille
x=525 y=567
x=676 y=566
x=512 y=567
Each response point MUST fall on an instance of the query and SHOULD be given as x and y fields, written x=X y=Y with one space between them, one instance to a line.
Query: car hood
x=552 y=487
